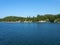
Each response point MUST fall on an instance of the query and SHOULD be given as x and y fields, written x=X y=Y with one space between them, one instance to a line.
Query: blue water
x=29 y=34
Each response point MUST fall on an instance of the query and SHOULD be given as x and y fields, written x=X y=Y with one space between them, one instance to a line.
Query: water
x=29 y=34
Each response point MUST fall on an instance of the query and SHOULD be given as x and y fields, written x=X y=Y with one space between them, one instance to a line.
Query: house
x=41 y=21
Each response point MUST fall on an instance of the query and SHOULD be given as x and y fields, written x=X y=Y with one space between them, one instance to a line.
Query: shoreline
x=30 y=22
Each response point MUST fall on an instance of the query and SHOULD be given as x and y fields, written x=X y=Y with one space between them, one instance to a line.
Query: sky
x=28 y=7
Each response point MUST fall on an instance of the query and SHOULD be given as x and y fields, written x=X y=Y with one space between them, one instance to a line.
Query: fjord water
x=29 y=34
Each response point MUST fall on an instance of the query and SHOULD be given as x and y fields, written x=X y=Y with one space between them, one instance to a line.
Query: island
x=39 y=18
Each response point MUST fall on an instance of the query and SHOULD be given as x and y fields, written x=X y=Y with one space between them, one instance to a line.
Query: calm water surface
x=29 y=34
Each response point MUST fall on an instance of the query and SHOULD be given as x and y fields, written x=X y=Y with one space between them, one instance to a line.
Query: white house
x=41 y=21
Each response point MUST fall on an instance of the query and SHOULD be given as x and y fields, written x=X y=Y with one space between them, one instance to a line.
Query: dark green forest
x=47 y=17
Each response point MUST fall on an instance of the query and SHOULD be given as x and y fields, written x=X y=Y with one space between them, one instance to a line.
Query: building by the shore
x=42 y=21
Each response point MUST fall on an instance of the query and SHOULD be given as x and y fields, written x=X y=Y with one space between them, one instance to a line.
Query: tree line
x=46 y=17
